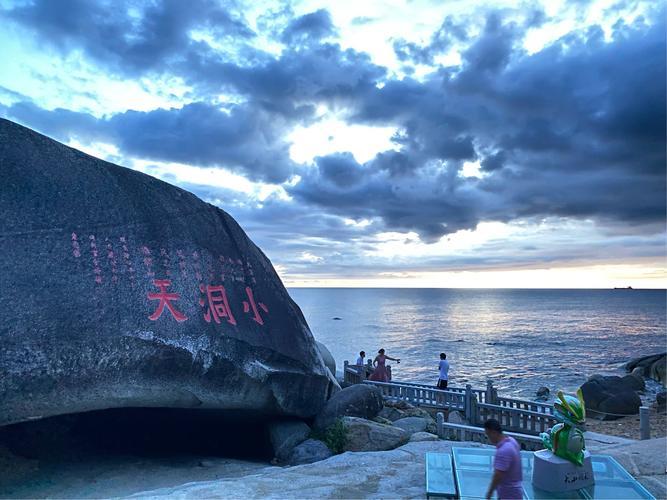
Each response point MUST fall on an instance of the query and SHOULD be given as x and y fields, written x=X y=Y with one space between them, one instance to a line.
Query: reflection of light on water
x=519 y=339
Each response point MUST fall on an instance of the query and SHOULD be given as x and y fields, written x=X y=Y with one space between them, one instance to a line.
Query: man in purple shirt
x=507 y=474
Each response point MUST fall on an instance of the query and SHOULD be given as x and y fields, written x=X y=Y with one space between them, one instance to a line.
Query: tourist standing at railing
x=380 y=374
x=444 y=371
x=361 y=361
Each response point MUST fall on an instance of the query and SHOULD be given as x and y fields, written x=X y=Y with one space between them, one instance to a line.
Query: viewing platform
x=523 y=419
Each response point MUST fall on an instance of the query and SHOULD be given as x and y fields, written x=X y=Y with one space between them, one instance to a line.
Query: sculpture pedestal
x=552 y=473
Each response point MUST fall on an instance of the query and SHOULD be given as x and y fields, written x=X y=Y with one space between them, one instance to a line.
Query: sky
x=449 y=143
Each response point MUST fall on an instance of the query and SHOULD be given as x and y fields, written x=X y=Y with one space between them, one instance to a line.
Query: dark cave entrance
x=144 y=432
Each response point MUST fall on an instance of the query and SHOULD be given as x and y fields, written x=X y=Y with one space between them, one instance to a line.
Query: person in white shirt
x=444 y=371
x=361 y=361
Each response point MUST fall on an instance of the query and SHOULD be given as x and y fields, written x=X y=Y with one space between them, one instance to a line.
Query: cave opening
x=121 y=451
x=144 y=432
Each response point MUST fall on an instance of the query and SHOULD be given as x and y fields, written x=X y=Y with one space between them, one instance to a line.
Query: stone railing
x=477 y=405
x=457 y=432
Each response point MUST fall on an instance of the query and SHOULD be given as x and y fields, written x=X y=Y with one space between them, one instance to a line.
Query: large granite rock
x=423 y=436
x=364 y=435
x=653 y=366
x=611 y=397
x=286 y=435
x=359 y=400
x=412 y=425
x=395 y=410
x=327 y=357
x=121 y=290
x=308 y=452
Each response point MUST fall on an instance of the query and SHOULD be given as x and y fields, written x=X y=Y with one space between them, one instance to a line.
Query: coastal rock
x=653 y=366
x=381 y=420
x=542 y=393
x=397 y=473
x=412 y=424
x=658 y=371
x=120 y=290
x=455 y=417
x=308 y=452
x=359 y=400
x=661 y=401
x=391 y=414
x=285 y=435
x=610 y=397
x=395 y=410
x=423 y=436
x=400 y=404
x=621 y=404
x=634 y=382
x=364 y=435
x=327 y=357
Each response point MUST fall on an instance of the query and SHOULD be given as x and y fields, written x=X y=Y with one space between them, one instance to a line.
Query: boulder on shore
x=395 y=410
x=411 y=425
x=611 y=397
x=358 y=400
x=423 y=436
x=120 y=290
x=653 y=366
x=327 y=357
x=364 y=435
x=542 y=393
x=286 y=435
x=311 y=450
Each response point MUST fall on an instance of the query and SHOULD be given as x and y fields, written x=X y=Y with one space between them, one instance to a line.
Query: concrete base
x=552 y=473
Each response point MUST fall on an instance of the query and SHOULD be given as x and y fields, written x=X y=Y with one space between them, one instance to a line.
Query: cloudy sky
x=444 y=143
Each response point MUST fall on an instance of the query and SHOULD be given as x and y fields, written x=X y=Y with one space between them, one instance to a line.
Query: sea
x=520 y=339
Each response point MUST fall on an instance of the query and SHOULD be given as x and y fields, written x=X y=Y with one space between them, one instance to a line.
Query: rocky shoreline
x=358 y=446
x=397 y=473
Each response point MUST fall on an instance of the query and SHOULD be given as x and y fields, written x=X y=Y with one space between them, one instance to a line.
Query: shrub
x=334 y=436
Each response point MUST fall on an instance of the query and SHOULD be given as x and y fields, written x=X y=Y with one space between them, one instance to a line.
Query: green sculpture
x=566 y=439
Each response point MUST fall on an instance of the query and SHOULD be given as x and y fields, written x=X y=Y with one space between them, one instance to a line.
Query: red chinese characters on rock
x=76 y=249
x=250 y=304
x=217 y=304
x=165 y=299
x=148 y=261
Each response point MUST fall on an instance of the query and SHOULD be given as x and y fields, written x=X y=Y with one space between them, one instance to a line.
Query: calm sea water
x=521 y=339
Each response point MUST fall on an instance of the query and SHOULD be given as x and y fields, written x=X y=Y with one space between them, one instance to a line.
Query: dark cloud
x=323 y=73
x=129 y=37
x=493 y=161
x=340 y=169
x=309 y=28
x=242 y=138
x=444 y=37
x=576 y=130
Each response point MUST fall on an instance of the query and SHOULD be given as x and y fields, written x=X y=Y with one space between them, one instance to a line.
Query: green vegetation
x=334 y=436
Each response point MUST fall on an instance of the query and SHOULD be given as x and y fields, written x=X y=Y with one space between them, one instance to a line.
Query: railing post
x=467 y=405
x=474 y=411
x=389 y=372
x=345 y=375
x=644 y=422
x=440 y=424
x=489 y=392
